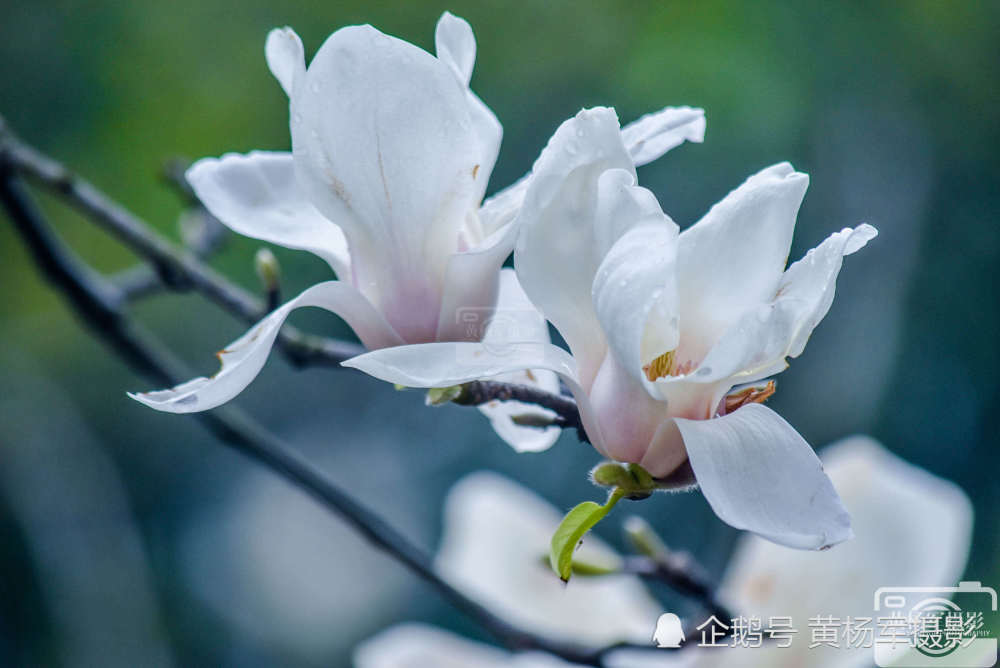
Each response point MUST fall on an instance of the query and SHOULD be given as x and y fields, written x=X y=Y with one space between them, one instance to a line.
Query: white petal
x=495 y=537
x=502 y=207
x=810 y=282
x=911 y=528
x=490 y=133
x=557 y=252
x=285 y=57
x=656 y=133
x=645 y=140
x=385 y=147
x=515 y=318
x=243 y=359
x=732 y=259
x=635 y=295
x=409 y=645
x=760 y=475
x=257 y=195
x=447 y=364
x=471 y=286
x=757 y=344
x=629 y=417
x=456 y=45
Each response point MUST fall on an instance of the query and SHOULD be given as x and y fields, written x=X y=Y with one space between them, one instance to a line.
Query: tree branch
x=178 y=269
x=484 y=391
x=99 y=303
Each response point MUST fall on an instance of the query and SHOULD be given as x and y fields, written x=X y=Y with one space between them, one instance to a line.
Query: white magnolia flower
x=662 y=326
x=911 y=528
x=391 y=155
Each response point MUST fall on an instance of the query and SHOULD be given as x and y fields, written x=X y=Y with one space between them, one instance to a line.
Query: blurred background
x=129 y=537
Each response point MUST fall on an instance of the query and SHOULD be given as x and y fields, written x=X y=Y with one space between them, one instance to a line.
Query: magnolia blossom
x=663 y=326
x=910 y=527
x=391 y=156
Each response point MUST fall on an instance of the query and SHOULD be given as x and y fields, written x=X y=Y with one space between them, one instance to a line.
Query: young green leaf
x=571 y=530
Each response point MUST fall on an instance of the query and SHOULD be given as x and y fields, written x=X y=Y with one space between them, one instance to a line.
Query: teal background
x=133 y=538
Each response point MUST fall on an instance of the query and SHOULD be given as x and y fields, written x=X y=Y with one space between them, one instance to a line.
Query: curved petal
x=502 y=207
x=285 y=57
x=385 y=147
x=629 y=417
x=645 y=139
x=810 y=282
x=654 y=134
x=470 y=287
x=456 y=45
x=495 y=533
x=910 y=528
x=732 y=259
x=756 y=345
x=557 y=253
x=243 y=359
x=760 y=475
x=257 y=195
x=515 y=318
x=447 y=364
x=635 y=295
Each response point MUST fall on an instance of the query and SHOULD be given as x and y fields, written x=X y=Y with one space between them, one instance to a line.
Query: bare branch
x=99 y=304
x=178 y=269
x=484 y=391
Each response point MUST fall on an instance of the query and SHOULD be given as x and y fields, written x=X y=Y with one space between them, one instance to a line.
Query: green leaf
x=571 y=530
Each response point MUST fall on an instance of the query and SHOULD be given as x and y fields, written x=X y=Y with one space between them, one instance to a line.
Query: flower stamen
x=755 y=394
x=660 y=367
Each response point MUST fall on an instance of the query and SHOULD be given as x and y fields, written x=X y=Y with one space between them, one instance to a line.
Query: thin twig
x=179 y=269
x=484 y=391
x=99 y=305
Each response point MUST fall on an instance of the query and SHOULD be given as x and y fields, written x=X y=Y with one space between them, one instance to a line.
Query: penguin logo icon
x=669 y=633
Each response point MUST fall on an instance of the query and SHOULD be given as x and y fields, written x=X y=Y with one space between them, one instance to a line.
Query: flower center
x=666 y=365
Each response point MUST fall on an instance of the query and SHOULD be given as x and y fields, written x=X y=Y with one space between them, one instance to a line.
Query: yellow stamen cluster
x=660 y=367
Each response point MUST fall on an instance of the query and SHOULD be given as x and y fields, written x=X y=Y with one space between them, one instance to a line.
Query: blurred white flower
x=662 y=326
x=494 y=547
x=911 y=528
x=391 y=156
